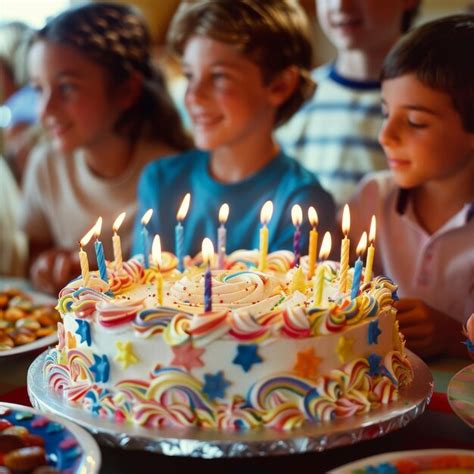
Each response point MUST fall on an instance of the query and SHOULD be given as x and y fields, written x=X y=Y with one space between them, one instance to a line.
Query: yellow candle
x=84 y=262
x=116 y=242
x=313 y=241
x=369 y=263
x=265 y=216
x=157 y=260
x=345 y=245
x=318 y=280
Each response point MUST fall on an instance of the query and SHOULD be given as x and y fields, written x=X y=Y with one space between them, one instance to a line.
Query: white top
x=437 y=268
x=334 y=134
x=13 y=248
x=63 y=199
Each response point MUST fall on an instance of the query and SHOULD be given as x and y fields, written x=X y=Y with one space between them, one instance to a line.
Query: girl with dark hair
x=107 y=113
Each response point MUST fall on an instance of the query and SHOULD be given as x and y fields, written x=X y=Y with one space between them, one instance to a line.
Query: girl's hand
x=53 y=269
x=428 y=332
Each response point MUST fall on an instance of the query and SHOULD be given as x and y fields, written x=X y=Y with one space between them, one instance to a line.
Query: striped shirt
x=334 y=134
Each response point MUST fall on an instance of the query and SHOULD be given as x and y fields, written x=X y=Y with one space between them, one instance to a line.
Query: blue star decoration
x=101 y=368
x=374 y=364
x=84 y=331
x=374 y=332
x=247 y=356
x=215 y=385
x=469 y=345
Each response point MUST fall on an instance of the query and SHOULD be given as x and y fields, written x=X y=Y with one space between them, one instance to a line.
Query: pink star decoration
x=187 y=356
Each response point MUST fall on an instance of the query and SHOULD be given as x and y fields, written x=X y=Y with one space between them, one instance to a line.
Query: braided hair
x=116 y=37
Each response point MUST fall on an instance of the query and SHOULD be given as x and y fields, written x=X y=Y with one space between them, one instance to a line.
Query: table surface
x=437 y=427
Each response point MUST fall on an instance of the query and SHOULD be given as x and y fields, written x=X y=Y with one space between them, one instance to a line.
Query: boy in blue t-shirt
x=247 y=68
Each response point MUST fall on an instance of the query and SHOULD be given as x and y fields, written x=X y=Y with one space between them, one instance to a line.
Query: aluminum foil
x=205 y=443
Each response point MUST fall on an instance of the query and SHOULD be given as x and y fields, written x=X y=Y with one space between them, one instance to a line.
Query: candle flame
x=183 y=209
x=118 y=222
x=147 y=216
x=296 y=215
x=98 y=227
x=85 y=240
x=362 y=244
x=325 y=247
x=156 y=251
x=372 y=231
x=224 y=213
x=207 y=250
x=313 y=216
x=266 y=212
x=346 y=220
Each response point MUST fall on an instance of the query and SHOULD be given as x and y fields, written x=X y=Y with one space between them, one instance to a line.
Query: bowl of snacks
x=28 y=321
x=32 y=442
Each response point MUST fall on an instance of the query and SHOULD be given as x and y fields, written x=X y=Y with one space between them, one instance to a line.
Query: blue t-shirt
x=164 y=183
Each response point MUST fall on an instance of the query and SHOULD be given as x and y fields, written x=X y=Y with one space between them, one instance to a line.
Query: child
x=424 y=207
x=107 y=113
x=335 y=133
x=246 y=65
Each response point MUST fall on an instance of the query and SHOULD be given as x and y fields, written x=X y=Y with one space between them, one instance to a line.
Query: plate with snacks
x=28 y=321
x=32 y=442
x=425 y=461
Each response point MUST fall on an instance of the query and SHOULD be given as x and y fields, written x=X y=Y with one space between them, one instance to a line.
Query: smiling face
x=226 y=99
x=76 y=107
x=422 y=134
x=362 y=24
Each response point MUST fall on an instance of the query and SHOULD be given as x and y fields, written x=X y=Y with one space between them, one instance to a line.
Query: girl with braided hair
x=107 y=113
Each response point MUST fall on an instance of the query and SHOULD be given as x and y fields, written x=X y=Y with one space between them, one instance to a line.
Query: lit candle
x=116 y=242
x=345 y=244
x=222 y=235
x=358 y=265
x=156 y=256
x=369 y=263
x=99 y=251
x=83 y=257
x=313 y=241
x=265 y=216
x=297 y=218
x=318 y=280
x=179 y=231
x=145 y=238
x=207 y=255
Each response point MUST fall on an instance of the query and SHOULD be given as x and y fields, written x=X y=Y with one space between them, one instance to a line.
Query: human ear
x=283 y=85
x=129 y=91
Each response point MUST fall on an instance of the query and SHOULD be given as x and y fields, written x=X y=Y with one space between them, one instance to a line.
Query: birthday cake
x=265 y=355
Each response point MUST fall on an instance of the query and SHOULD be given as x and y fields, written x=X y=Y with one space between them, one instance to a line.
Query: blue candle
x=179 y=244
x=356 y=280
x=179 y=231
x=208 y=289
x=297 y=218
x=207 y=254
x=99 y=251
x=146 y=238
x=146 y=247
x=358 y=266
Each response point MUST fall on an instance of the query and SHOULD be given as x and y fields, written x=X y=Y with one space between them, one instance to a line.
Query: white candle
x=222 y=235
x=157 y=260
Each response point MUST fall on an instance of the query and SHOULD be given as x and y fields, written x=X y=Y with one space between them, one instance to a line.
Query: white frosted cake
x=263 y=357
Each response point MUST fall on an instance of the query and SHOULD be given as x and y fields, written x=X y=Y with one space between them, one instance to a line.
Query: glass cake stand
x=200 y=443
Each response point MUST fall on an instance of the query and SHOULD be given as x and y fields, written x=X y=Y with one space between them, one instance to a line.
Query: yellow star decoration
x=344 y=348
x=125 y=355
x=70 y=340
x=307 y=364
x=398 y=338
